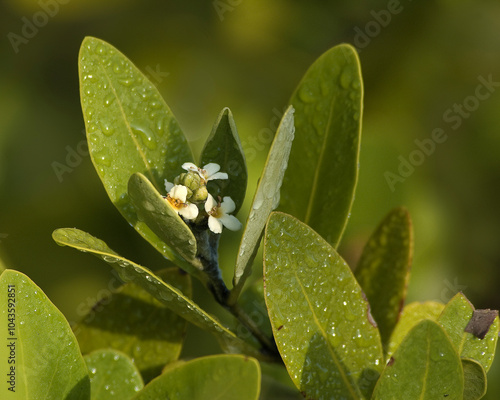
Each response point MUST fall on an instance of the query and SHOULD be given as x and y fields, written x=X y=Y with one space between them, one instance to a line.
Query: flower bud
x=196 y=190
x=199 y=195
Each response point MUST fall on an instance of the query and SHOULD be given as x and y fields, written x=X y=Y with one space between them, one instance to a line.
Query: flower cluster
x=189 y=189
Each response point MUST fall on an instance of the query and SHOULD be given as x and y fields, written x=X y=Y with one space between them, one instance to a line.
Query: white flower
x=176 y=197
x=168 y=186
x=207 y=173
x=218 y=214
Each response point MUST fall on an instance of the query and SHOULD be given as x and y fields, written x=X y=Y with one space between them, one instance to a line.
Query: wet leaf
x=223 y=147
x=221 y=377
x=129 y=128
x=162 y=291
x=113 y=376
x=46 y=361
x=266 y=199
x=412 y=314
x=384 y=268
x=455 y=318
x=162 y=219
x=318 y=314
x=474 y=379
x=131 y=320
x=424 y=367
x=323 y=168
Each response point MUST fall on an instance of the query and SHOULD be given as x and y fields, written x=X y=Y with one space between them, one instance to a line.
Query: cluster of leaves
x=339 y=334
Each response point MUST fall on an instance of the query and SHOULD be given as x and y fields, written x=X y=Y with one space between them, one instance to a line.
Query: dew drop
x=146 y=135
x=106 y=128
x=102 y=158
x=306 y=95
x=109 y=99
x=257 y=203
x=345 y=79
x=159 y=124
x=127 y=82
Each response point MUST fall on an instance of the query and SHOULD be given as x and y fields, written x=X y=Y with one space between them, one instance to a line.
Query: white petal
x=230 y=222
x=189 y=166
x=218 y=175
x=189 y=212
x=227 y=205
x=179 y=192
x=211 y=169
x=210 y=203
x=214 y=224
x=168 y=186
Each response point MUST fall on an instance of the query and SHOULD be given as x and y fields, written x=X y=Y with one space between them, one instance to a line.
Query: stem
x=268 y=343
x=207 y=254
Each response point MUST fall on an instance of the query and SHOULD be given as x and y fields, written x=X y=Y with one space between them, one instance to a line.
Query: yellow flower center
x=176 y=203
x=215 y=212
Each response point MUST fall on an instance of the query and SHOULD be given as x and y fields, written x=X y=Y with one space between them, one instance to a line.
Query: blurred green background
x=422 y=63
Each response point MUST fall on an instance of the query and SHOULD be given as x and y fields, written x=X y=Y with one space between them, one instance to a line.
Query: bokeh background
x=422 y=63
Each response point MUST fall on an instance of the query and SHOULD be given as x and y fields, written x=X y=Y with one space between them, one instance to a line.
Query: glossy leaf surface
x=223 y=147
x=113 y=376
x=454 y=318
x=162 y=291
x=425 y=367
x=161 y=218
x=384 y=268
x=323 y=168
x=129 y=128
x=221 y=377
x=318 y=314
x=266 y=199
x=131 y=320
x=412 y=314
x=39 y=353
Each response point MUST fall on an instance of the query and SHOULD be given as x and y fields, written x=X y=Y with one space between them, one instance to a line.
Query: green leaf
x=425 y=367
x=39 y=353
x=474 y=379
x=319 y=316
x=412 y=314
x=323 y=168
x=131 y=320
x=162 y=219
x=129 y=128
x=454 y=319
x=162 y=291
x=384 y=268
x=221 y=377
x=266 y=199
x=113 y=376
x=223 y=147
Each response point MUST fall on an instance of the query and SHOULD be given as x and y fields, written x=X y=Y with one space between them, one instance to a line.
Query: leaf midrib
x=127 y=124
x=211 y=324
x=335 y=359
x=312 y=197
x=428 y=354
